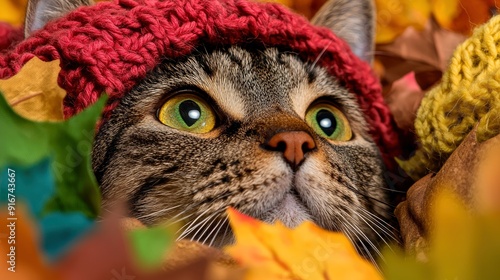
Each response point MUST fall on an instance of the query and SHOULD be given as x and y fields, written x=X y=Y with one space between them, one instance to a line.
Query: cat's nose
x=293 y=144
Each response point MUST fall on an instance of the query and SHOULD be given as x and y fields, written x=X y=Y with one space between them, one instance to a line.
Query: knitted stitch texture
x=110 y=46
x=468 y=95
x=9 y=35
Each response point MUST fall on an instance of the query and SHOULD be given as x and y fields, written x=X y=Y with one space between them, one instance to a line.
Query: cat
x=250 y=127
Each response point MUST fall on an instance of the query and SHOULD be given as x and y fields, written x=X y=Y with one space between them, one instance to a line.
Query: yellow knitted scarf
x=468 y=94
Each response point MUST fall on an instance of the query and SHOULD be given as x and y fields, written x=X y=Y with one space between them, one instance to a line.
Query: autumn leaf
x=466 y=15
x=12 y=11
x=102 y=254
x=69 y=145
x=29 y=263
x=421 y=52
x=34 y=186
x=471 y=174
x=150 y=245
x=463 y=244
x=408 y=67
x=394 y=17
x=445 y=11
x=306 y=252
x=34 y=93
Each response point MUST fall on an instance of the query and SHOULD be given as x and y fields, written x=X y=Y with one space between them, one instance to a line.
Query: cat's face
x=159 y=152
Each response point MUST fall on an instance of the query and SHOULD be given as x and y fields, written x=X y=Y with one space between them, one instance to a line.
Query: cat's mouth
x=291 y=210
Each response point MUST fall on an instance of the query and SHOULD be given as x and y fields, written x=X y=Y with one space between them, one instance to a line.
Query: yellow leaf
x=27 y=259
x=393 y=17
x=34 y=93
x=306 y=252
x=445 y=11
x=12 y=11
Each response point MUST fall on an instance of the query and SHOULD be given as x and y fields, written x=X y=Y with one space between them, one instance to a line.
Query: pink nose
x=293 y=144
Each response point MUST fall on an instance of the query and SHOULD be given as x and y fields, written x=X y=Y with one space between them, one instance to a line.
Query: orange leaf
x=470 y=14
x=445 y=11
x=28 y=262
x=306 y=252
x=12 y=11
x=393 y=17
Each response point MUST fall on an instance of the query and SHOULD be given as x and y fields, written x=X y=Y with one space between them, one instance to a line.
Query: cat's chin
x=290 y=211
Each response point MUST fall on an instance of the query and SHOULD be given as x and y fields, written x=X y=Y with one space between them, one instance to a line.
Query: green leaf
x=150 y=245
x=68 y=143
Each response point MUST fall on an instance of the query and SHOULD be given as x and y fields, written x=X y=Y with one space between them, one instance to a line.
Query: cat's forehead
x=252 y=81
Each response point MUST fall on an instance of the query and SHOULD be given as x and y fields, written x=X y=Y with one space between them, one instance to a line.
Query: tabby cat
x=251 y=127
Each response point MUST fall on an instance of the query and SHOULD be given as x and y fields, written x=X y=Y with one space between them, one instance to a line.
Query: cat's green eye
x=187 y=112
x=329 y=122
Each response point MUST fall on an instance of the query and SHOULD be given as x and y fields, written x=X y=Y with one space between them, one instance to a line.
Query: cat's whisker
x=355 y=242
x=369 y=197
x=392 y=190
x=181 y=229
x=382 y=188
x=213 y=229
x=200 y=225
x=206 y=228
x=194 y=206
x=383 y=225
x=321 y=54
x=346 y=231
x=223 y=221
x=380 y=220
x=363 y=235
x=159 y=212
x=389 y=235
x=224 y=235
x=377 y=222
x=370 y=255
x=375 y=231
x=192 y=223
x=193 y=226
x=179 y=220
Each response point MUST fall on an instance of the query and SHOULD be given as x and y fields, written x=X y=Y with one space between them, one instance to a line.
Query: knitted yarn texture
x=468 y=95
x=111 y=46
x=9 y=35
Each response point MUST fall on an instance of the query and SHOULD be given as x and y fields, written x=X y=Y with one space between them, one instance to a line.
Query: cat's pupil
x=190 y=112
x=326 y=121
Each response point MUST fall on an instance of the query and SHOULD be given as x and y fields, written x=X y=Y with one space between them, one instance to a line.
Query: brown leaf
x=403 y=101
x=424 y=53
x=418 y=51
x=105 y=254
x=471 y=173
x=186 y=254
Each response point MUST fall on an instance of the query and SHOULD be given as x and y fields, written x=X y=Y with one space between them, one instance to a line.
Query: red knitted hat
x=9 y=35
x=110 y=46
